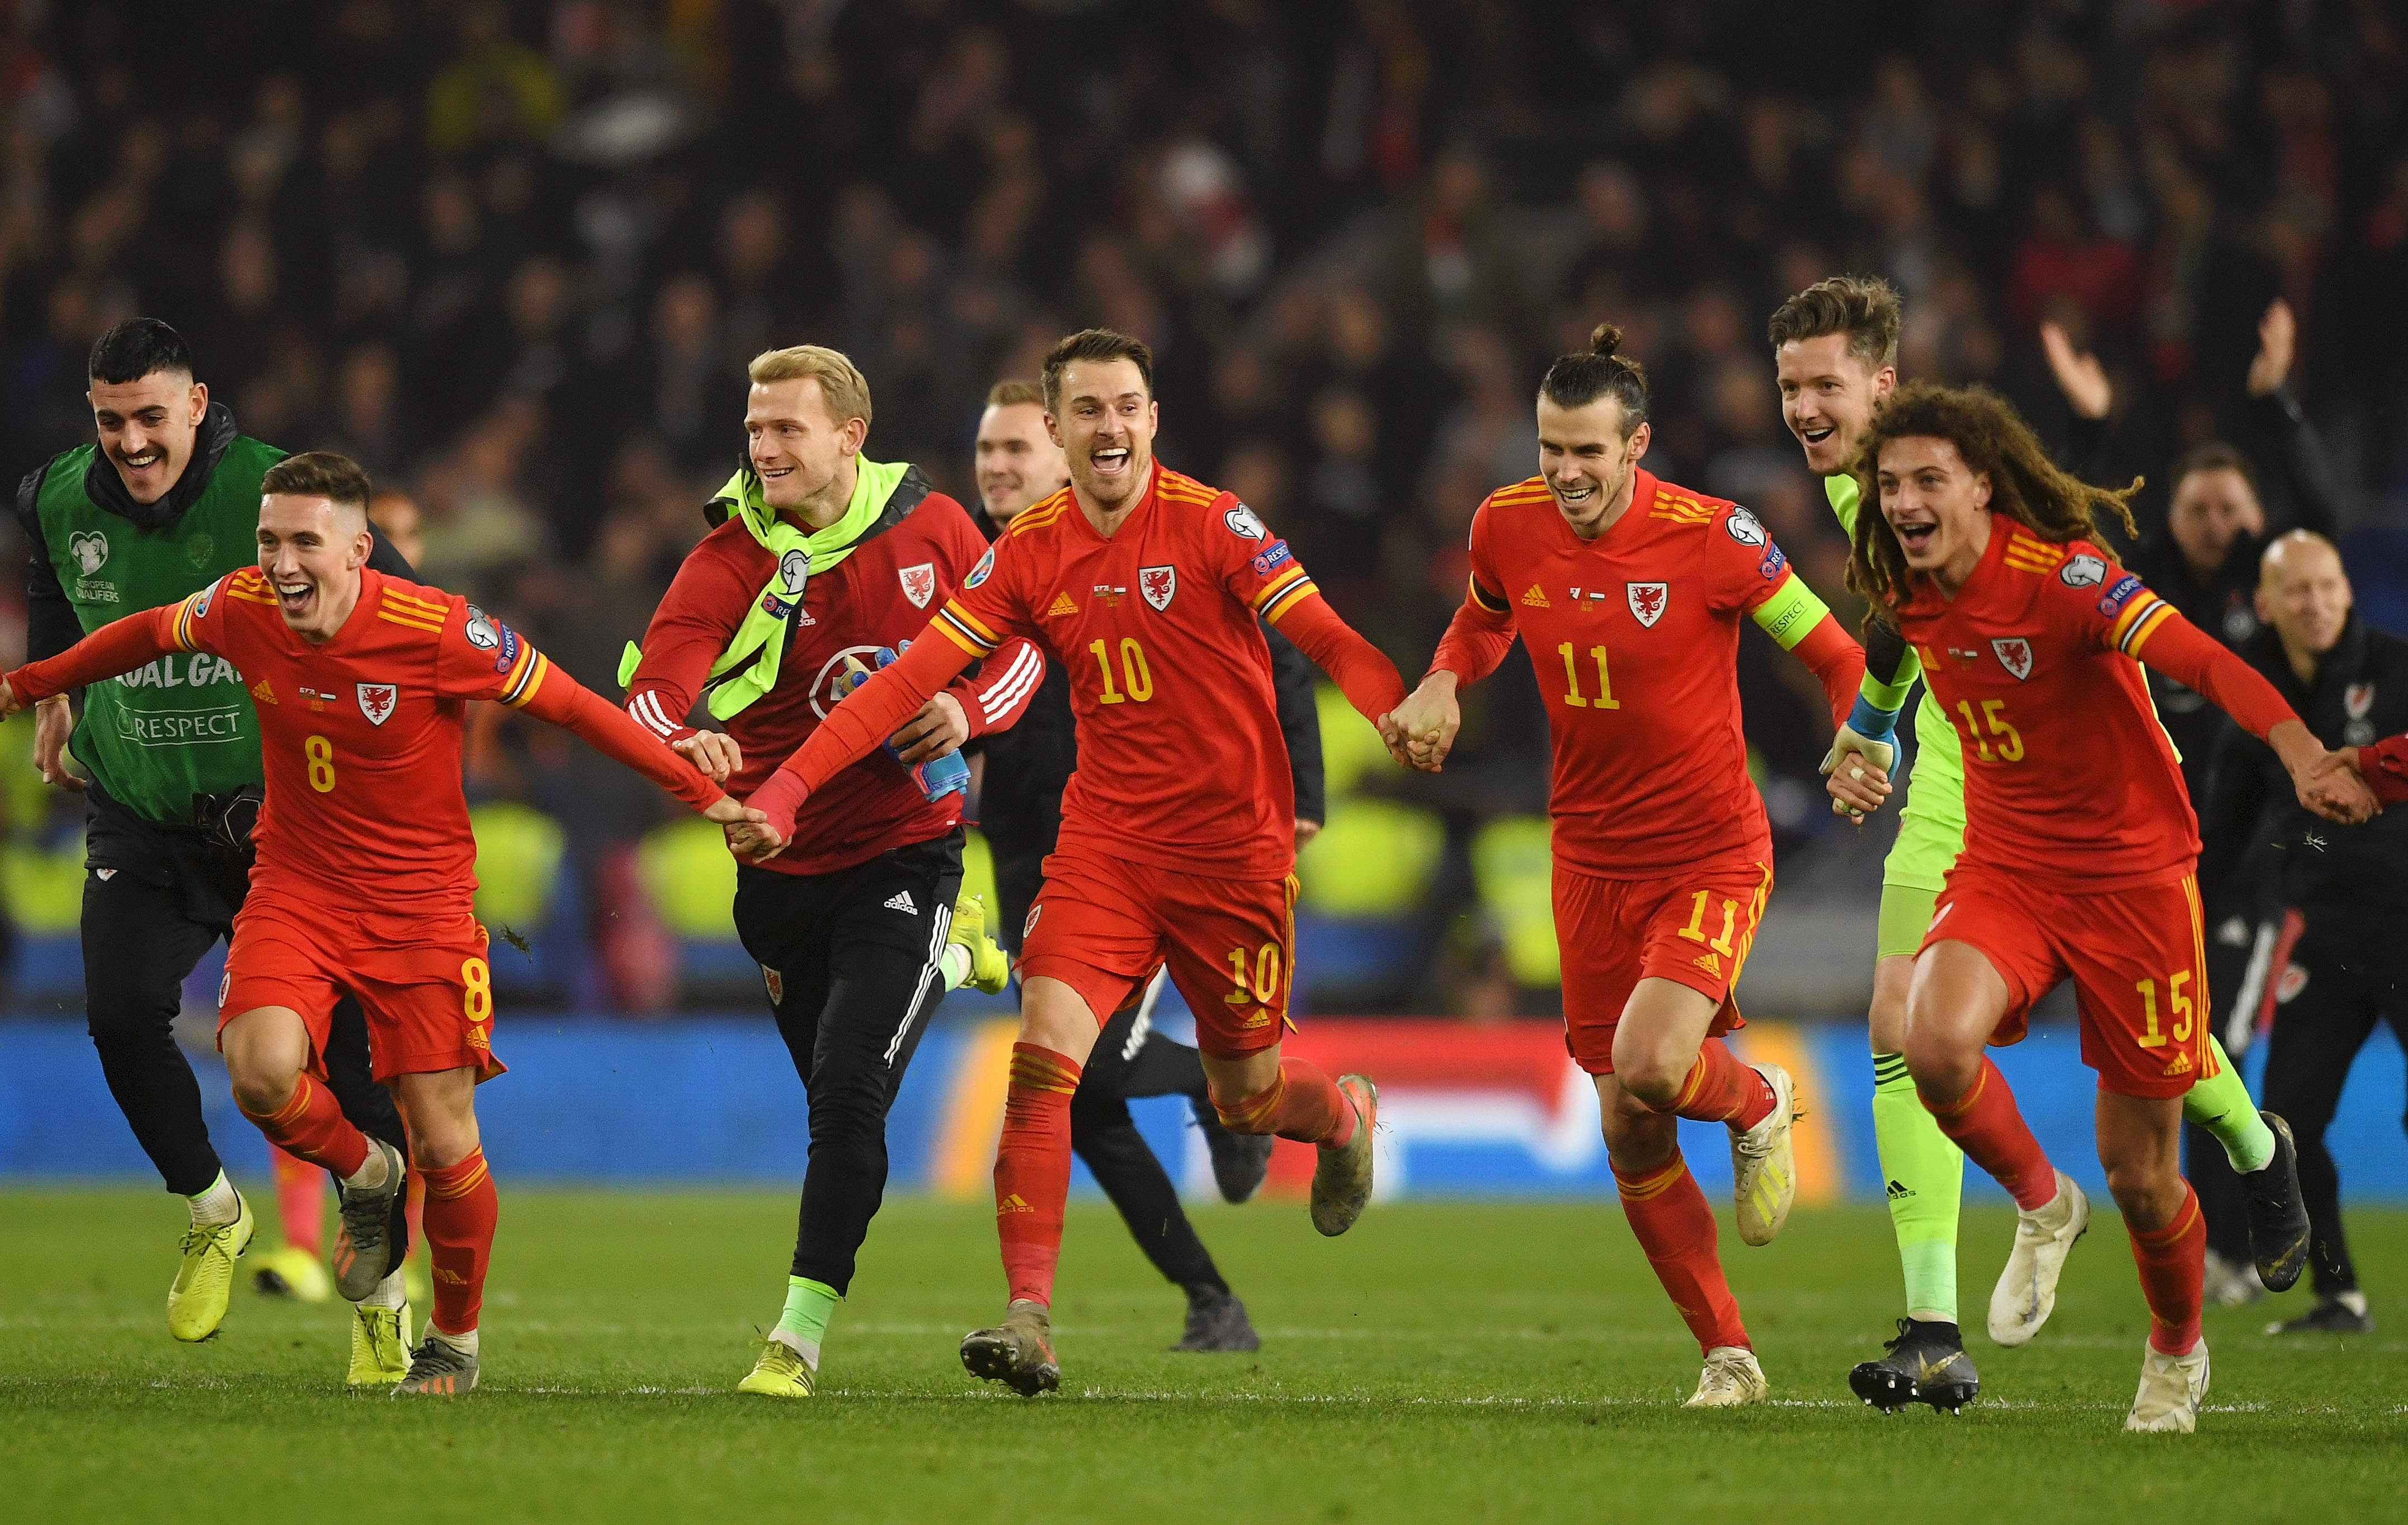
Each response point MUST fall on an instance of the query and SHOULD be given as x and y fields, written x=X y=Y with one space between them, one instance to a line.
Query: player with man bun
x=1627 y=592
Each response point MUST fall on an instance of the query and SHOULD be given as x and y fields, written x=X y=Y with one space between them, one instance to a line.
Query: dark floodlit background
x=513 y=257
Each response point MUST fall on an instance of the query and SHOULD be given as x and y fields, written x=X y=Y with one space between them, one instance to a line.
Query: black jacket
x=51 y=623
x=2297 y=495
x=1028 y=765
x=2357 y=875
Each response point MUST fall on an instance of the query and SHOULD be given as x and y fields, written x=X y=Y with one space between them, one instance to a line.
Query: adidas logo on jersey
x=263 y=692
x=1061 y=607
x=1537 y=597
x=901 y=900
x=1710 y=963
x=2181 y=1065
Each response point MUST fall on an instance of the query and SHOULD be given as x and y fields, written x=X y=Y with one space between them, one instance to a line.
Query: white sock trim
x=359 y=1180
x=392 y=1292
x=465 y=1344
x=955 y=965
x=219 y=1204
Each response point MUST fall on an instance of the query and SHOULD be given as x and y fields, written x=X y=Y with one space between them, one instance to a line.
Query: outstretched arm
x=2182 y=651
x=1476 y=640
x=868 y=717
x=611 y=731
x=119 y=646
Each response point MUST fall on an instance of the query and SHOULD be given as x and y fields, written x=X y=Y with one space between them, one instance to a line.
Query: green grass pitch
x=1443 y=1363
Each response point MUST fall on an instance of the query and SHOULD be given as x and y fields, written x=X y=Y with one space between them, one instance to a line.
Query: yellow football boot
x=990 y=971
x=289 y=1271
x=780 y=1373
x=380 y=1346
x=196 y=1302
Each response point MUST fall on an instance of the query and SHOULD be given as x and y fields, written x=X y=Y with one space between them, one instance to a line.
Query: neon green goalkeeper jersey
x=1931 y=832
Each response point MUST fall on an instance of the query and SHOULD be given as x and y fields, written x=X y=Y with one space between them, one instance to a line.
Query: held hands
x=750 y=835
x=714 y=754
x=2333 y=787
x=1858 y=768
x=1420 y=732
x=938 y=729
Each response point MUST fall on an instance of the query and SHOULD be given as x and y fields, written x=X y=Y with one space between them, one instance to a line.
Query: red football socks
x=311 y=1127
x=1720 y=1090
x=300 y=1201
x=1032 y=1168
x=1983 y=1123
x=1303 y=1103
x=461 y=1208
x=2172 y=1260
x=1676 y=1228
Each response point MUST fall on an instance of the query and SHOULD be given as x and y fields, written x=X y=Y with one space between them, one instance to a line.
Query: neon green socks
x=1923 y=1176
x=2222 y=1106
x=805 y=1322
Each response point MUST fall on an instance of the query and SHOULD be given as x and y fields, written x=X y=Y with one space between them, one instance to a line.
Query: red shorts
x=1693 y=928
x=1102 y=926
x=2137 y=958
x=423 y=981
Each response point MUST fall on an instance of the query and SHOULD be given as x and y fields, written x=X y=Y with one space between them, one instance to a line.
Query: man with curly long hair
x=2080 y=846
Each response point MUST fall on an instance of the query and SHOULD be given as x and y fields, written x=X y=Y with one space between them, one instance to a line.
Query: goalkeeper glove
x=1869 y=732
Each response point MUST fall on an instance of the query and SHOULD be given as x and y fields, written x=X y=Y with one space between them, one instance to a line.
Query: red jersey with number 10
x=1181 y=761
x=1635 y=638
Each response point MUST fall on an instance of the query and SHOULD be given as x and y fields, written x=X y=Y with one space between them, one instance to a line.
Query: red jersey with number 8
x=2068 y=777
x=366 y=730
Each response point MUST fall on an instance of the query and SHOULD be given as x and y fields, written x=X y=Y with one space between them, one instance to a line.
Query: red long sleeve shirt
x=879 y=595
x=361 y=734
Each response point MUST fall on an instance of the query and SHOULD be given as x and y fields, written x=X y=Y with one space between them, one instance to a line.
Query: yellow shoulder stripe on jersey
x=251 y=587
x=526 y=677
x=2138 y=622
x=1678 y=507
x=394 y=595
x=1483 y=599
x=411 y=622
x=1290 y=593
x=2027 y=554
x=1042 y=514
x=1186 y=489
x=966 y=632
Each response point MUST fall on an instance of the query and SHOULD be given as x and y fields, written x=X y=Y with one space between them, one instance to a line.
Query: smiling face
x=312 y=550
x=2304 y=594
x=147 y=427
x=1018 y=462
x=1938 y=506
x=1588 y=463
x=1827 y=397
x=1106 y=429
x=798 y=448
x=2210 y=509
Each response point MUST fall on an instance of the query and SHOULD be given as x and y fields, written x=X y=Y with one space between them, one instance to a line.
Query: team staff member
x=1020 y=809
x=821 y=556
x=2204 y=563
x=163 y=504
x=2349 y=682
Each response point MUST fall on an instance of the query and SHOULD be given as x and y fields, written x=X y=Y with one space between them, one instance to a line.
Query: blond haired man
x=823 y=563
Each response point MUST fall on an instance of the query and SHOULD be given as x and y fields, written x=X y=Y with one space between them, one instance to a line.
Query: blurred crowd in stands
x=514 y=257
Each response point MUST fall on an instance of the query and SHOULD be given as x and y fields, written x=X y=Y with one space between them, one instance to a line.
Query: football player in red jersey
x=1178 y=829
x=2080 y=843
x=366 y=864
x=1628 y=593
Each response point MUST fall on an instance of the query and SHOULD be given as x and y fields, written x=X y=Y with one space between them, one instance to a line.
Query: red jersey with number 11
x=1635 y=640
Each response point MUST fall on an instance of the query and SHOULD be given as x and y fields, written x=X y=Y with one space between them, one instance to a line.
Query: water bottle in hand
x=937 y=776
